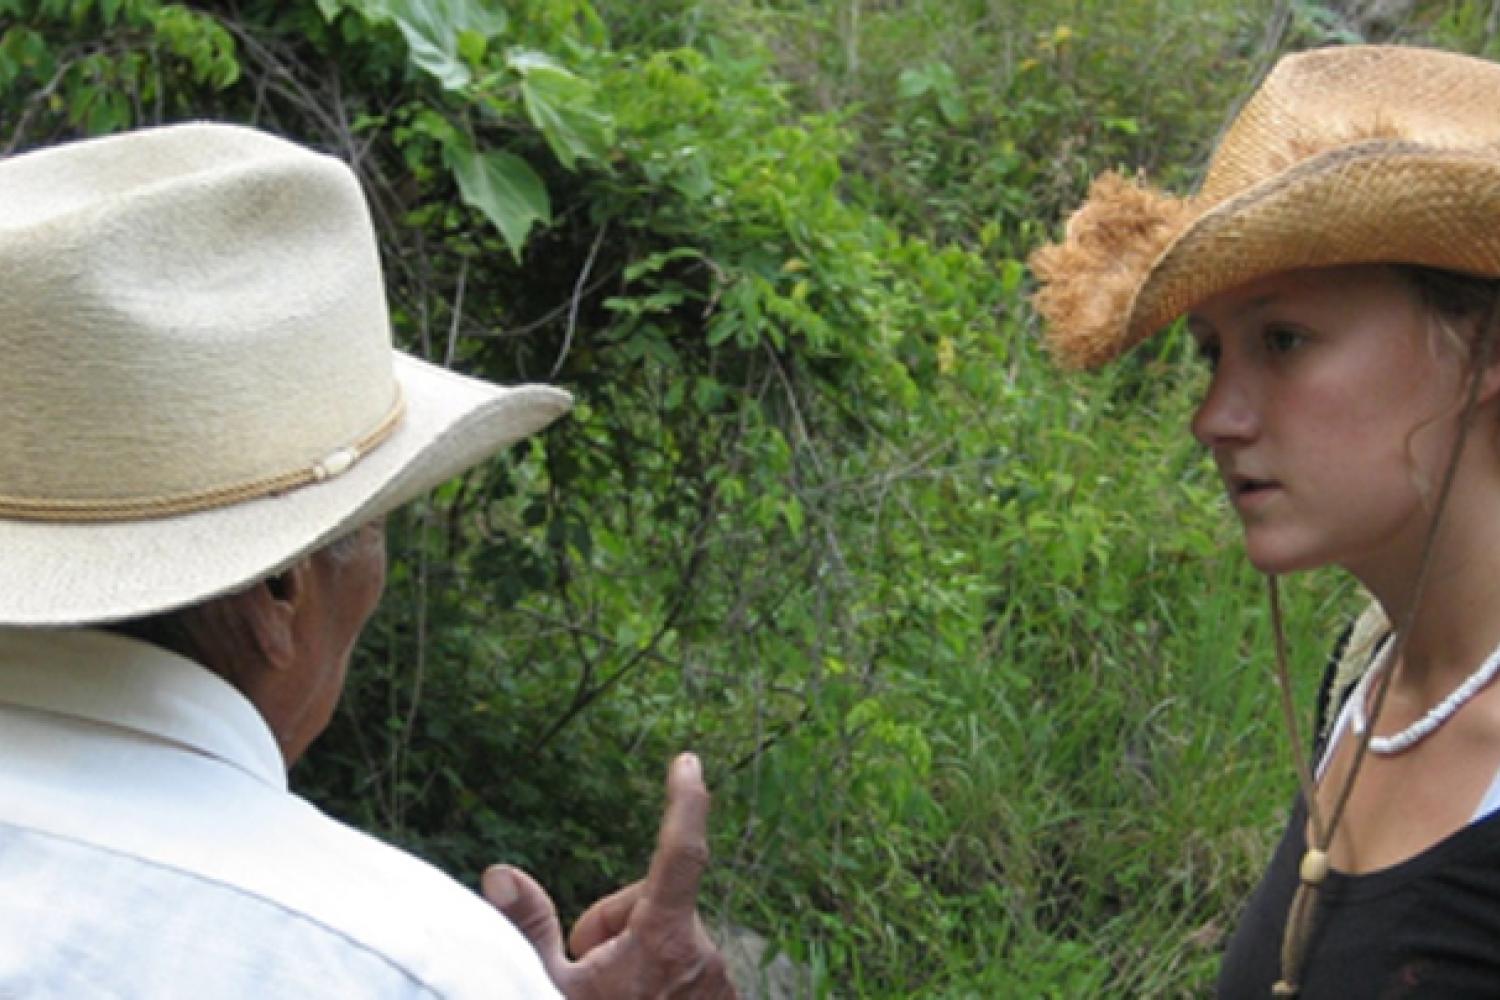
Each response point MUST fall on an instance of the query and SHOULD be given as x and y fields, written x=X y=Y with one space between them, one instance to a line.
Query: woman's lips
x=1250 y=494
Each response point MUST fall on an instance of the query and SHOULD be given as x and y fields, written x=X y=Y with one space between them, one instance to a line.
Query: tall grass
x=1074 y=767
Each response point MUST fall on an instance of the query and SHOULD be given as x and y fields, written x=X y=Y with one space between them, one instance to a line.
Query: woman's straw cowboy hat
x=1362 y=154
x=198 y=385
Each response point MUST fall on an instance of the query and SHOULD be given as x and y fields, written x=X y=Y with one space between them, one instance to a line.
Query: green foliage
x=1464 y=27
x=61 y=78
x=479 y=58
x=997 y=112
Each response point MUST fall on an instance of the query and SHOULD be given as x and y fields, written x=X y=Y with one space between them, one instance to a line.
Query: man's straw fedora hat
x=1362 y=154
x=198 y=385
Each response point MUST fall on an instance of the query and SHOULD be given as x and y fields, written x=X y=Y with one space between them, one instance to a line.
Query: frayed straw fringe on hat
x=198 y=384
x=1362 y=154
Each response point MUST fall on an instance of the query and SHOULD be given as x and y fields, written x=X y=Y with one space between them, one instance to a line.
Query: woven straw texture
x=199 y=385
x=1360 y=154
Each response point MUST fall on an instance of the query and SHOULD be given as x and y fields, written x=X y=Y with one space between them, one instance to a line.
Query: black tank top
x=1427 y=927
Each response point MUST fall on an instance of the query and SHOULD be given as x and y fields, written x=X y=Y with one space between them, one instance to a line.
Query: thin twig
x=38 y=100
x=458 y=312
x=583 y=277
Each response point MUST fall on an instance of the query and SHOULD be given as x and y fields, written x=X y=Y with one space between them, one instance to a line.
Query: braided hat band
x=81 y=511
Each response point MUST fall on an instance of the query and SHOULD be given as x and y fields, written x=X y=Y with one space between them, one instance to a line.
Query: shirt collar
x=117 y=681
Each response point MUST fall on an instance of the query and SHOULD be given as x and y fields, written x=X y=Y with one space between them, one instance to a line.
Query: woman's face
x=1327 y=412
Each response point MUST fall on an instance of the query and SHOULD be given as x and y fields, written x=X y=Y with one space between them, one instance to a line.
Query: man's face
x=343 y=585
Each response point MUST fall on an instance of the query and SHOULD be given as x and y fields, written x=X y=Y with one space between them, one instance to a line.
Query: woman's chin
x=1279 y=560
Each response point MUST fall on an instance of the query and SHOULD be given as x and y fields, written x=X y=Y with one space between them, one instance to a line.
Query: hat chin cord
x=1314 y=868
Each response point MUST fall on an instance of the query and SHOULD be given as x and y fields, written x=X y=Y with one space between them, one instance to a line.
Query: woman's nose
x=1227 y=413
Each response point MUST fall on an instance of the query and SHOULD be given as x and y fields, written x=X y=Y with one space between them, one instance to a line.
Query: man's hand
x=646 y=940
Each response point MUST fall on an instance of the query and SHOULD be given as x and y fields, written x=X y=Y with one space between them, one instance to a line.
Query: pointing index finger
x=682 y=844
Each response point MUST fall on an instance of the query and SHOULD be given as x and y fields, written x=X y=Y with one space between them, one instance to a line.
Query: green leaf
x=913 y=83
x=432 y=29
x=329 y=8
x=502 y=186
x=955 y=112
x=721 y=328
x=472 y=46
x=561 y=105
x=435 y=53
x=792 y=513
x=1011 y=273
x=652 y=263
x=708 y=393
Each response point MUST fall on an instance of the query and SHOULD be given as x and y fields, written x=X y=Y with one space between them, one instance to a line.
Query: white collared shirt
x=149 y=848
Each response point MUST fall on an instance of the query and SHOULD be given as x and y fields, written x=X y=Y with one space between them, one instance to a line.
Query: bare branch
x=583 y=276
x=458 y=312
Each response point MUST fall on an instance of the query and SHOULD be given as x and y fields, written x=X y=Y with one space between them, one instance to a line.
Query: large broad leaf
x=502 y=186
x=433 y=28
x=561 y=104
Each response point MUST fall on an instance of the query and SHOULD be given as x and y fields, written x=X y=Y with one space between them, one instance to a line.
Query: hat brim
x=61 y=574
x=1380 y=201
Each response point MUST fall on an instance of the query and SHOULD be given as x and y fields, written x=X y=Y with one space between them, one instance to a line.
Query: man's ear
x=273 y=609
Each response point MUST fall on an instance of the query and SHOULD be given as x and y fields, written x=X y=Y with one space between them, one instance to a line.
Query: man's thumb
x=526 y=904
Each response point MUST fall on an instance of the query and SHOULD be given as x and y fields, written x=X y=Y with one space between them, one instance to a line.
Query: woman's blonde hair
x=1452 y=299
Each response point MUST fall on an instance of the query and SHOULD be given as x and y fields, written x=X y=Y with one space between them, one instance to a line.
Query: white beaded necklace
x=1424 y=727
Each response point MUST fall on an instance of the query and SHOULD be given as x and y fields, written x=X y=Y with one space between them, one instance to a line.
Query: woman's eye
x=1281 y=340
x=1208 y=353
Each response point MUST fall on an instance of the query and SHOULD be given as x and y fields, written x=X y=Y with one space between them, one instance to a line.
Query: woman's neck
x=1457 y=624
